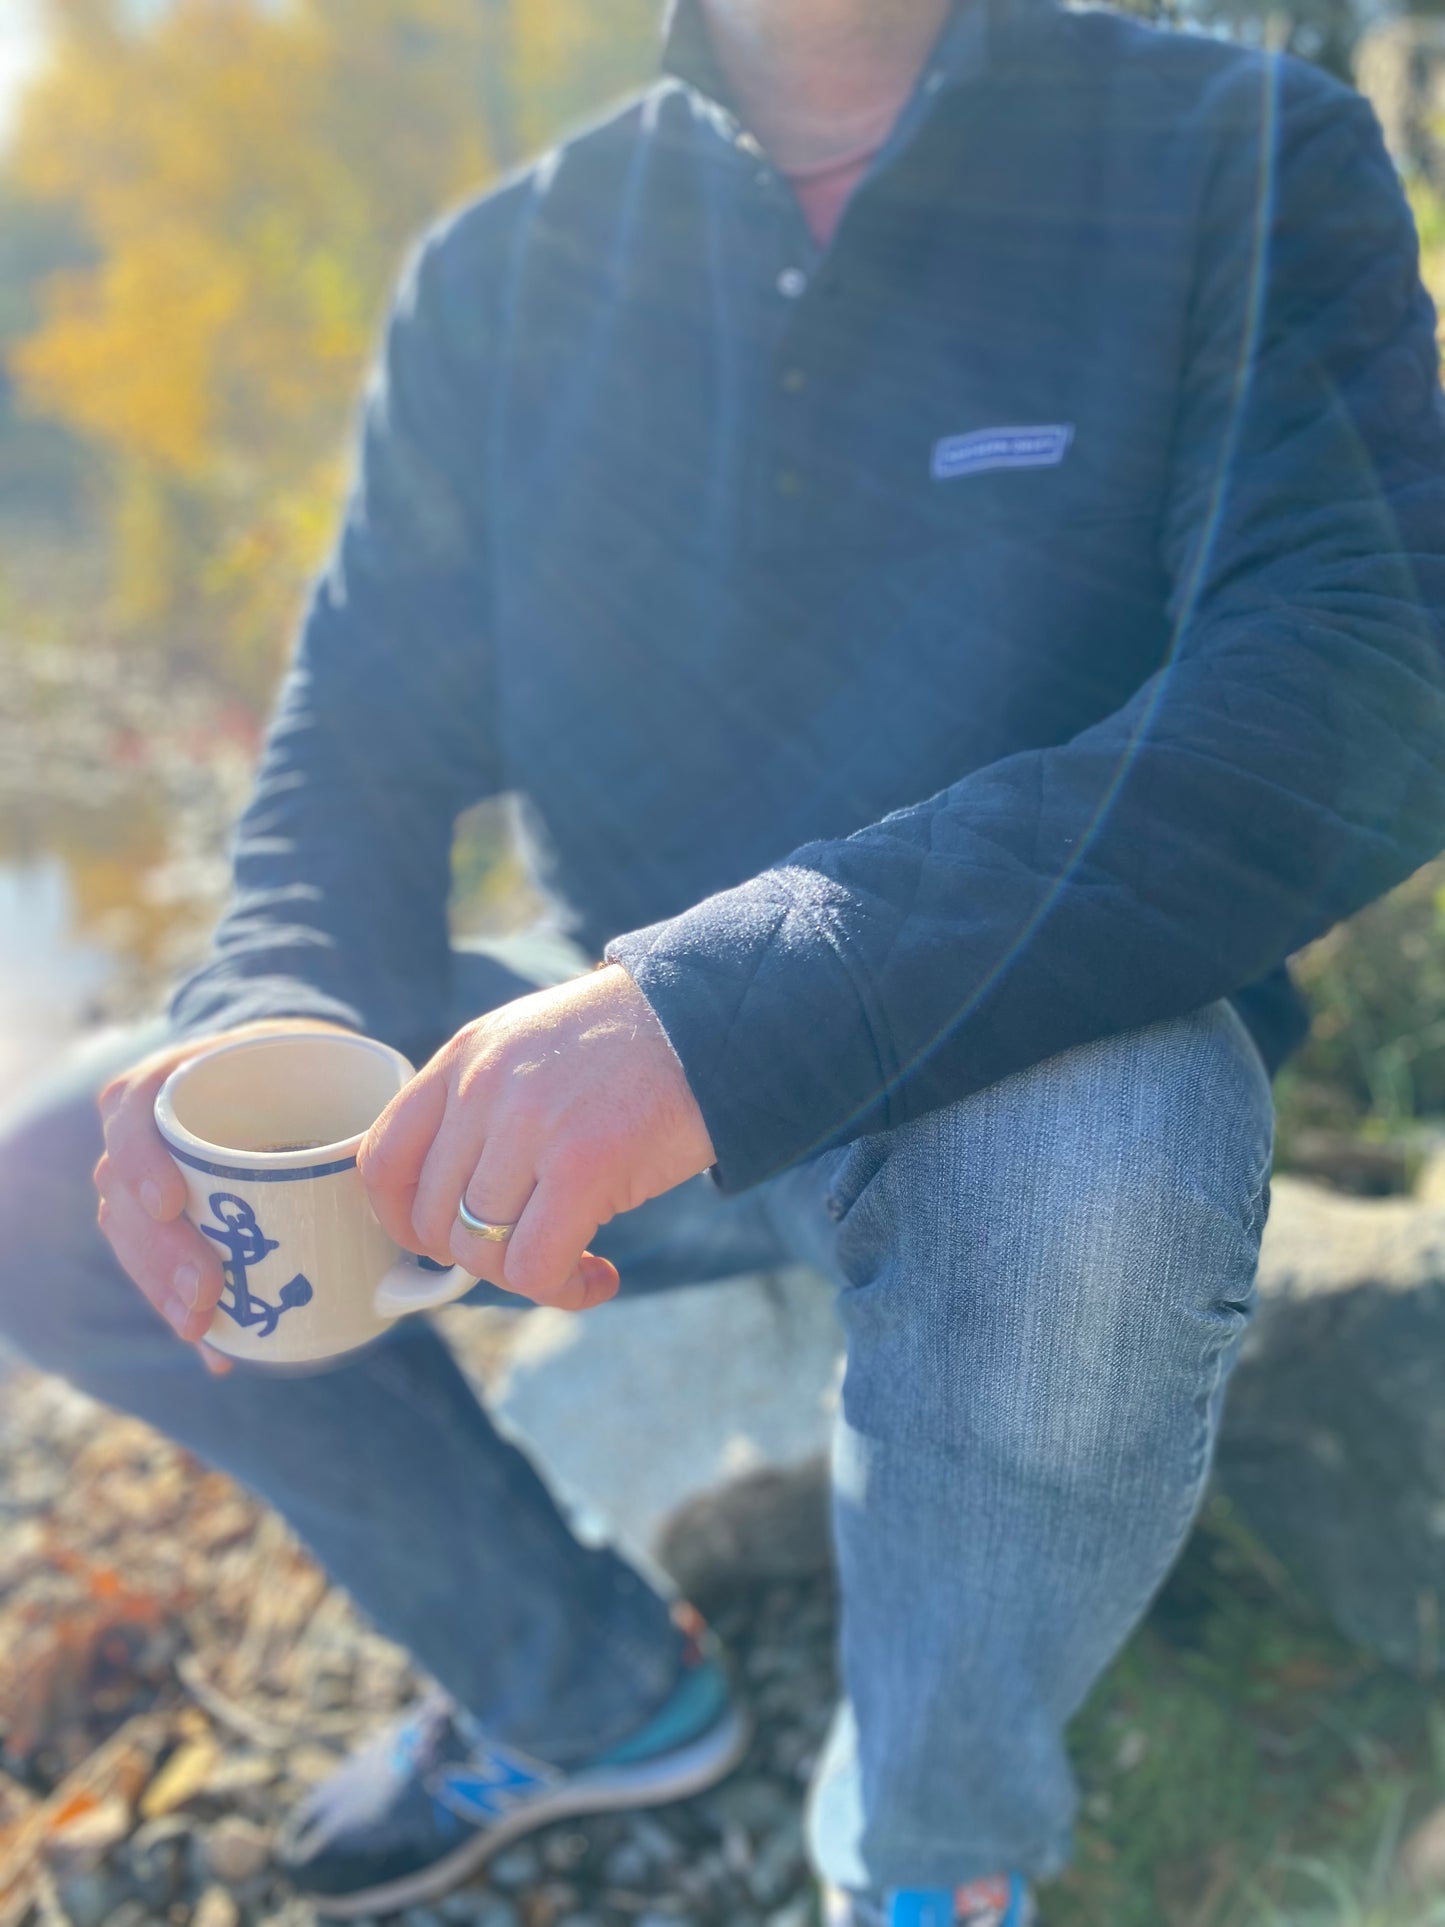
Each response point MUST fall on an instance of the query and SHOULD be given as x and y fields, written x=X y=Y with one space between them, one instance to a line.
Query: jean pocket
x=856 y=1166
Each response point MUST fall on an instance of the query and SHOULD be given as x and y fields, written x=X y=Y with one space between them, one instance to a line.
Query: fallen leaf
x=80 y=1840
x=182 y=1777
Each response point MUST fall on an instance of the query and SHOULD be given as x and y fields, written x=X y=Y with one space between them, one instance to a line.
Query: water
x=50 y=975
x=119 y=790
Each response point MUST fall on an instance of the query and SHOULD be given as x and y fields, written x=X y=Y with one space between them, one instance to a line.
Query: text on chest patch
x=985 y=448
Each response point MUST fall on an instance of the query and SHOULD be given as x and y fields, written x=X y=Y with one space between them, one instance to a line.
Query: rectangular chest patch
x=1043 y=447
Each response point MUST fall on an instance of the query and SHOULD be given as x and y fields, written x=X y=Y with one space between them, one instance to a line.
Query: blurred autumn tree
x=240 y=180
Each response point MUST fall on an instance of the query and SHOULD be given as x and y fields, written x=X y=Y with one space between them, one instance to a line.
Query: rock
x=476 y=1907
x=561 y=1852
x=1333 y=1447
x=86 y=1899
x=798 y=1914
x=627 y=1866
x=662 y=1848
x=735 y=1381
x=130 y=1913
x=752 y=1804
x=236 y=1851
x=216 y=1908
x=157 y=1854
x=293 y=1913
x=778 y=1866
x=516 y=1867
x=546 y=1905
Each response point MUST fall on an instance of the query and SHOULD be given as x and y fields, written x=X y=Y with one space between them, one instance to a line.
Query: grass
x=1243 y=1766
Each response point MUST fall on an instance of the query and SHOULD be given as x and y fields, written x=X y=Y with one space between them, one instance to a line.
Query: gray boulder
x=690 y=1425
x=1333 y=1447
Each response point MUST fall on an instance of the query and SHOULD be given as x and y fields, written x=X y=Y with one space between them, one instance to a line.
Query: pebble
x=415 y=1917
x=292 y=1913
x=627 y=1865
x=312 y=1764
x=215 y=1908
x=778 y=1867
x=561 y=1852
x=130 y=1913
x=754 y=1805
x=158 y=1859
x=87 y=1898
x=517 y=1867
x=477 y=1907
x=236 y=1851
x=546 y=1905
x=660 y=1846
x=491 y=1910
x=798 y=1914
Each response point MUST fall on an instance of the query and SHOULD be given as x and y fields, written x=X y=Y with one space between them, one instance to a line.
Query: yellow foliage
x=1429 y=211
x=249 y=175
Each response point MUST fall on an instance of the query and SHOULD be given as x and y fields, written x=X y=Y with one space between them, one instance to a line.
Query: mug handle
x=409 y=1287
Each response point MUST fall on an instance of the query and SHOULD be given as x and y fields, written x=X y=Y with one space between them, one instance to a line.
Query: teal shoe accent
x=698 y=1702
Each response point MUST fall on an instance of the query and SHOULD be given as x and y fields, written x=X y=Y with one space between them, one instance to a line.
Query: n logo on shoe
x=485 y=1789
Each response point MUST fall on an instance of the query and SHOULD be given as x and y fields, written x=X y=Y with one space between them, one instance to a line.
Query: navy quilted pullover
x=1019 y=622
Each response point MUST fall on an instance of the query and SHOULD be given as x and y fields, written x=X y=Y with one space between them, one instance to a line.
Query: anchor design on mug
x=265 y=1130
x=247 y=1244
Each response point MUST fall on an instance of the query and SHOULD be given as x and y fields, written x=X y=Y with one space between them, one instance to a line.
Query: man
x=940 y=512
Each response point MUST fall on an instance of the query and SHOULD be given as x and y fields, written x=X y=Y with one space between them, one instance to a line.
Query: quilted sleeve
x=381 y=735
x=1285 y=765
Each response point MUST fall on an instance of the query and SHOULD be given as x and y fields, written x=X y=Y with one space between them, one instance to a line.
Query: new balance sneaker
x=1003 y=1901
x=428 y=1802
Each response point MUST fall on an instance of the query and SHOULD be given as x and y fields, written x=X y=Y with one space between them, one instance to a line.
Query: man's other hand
x=554 y=1114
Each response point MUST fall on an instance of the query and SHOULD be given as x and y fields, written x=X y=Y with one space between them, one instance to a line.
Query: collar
x=960 y=53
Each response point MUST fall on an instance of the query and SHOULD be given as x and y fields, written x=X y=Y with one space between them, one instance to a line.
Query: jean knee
x=1090 y=1225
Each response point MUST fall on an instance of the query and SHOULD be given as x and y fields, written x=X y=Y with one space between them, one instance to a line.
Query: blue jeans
x=1042 y=1290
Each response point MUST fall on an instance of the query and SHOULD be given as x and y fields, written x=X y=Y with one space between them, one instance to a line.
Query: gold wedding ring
x=496 y=1234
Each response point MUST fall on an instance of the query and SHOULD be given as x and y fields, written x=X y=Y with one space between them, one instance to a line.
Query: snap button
x=791 y=283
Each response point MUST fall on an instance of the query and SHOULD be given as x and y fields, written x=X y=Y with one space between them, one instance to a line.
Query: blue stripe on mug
x=252 y=1174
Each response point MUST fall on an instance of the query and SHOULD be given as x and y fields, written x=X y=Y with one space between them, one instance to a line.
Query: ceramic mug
x=265 y=1132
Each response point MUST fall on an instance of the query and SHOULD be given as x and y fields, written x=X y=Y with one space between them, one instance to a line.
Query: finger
x=544 y=1257
x=216 y=1363
x=394 y=1150
x=174 y=1266
x=137 y=1153
x=493 y=1176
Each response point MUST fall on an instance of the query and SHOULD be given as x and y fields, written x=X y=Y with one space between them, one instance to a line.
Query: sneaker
x=429 y=1801
x=1003 y=1901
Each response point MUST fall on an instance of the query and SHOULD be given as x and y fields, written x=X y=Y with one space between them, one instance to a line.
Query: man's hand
x=143 y=1195
x=553 y=1113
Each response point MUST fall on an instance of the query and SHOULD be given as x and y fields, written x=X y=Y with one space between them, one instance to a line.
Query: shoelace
x=416 y=1744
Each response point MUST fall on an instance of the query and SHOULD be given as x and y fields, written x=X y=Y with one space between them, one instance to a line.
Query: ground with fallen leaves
x=174 y=1672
